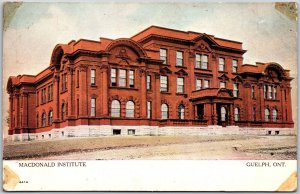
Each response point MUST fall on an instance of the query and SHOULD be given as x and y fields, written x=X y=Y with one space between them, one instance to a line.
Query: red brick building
x=159 y=81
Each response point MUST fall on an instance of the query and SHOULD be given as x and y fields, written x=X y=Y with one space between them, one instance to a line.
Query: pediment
x=225 y=93
x=237 y=79
x=165 y=70
x=181 y=72
x=224 y=77
x=205 y=38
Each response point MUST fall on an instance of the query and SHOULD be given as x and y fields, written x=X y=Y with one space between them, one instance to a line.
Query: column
x=104 y=86
x=70 y=86
x=56 y=91
x=262 y=102
x=83 y=106
x=18 y=111
x=11 y=102
x=157 y=105
x=143 y=92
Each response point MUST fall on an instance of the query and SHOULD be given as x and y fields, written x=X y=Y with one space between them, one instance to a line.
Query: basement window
x=131 y=131
x=62 y=133
x=276 y=132
x=42 y=136
x=117 y=132
x=49 y=135
x=269 y=132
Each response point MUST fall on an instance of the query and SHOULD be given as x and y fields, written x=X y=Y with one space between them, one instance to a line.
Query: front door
x=200 y=111
x=222 y=111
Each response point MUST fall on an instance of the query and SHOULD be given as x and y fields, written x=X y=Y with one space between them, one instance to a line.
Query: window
x=113 y=77
x=116 y=131
x=223 y=113
x=122 y=78
x=206 y=84
x=163 y=83
x=148 y=82
x=285 y=95
x=149 y=110
x=265 y=91
x=163 y=55
x=234 y=66
x=235 y=90
x=201 y=61
x=43 y=95
x=50 y=92
x=269 y=92
x=252 y=92
x=131 y=132
x=164 y=111
x=181 y=111
x=274 y=93
x=64 y=82
x=77 y=106
x=130 y=109
x=221 y=64
x=93 y=107
x=63 y=112
x=50 y=117
x=267 y=114
x=93 y=76
x=179 y=58
x=274 y=115
x=236 y=114
x=115 y=108
x=44 y=120
x=131 y=79
x=180 y=85
x=254 y=114
x=222 y=85
x=198 y=84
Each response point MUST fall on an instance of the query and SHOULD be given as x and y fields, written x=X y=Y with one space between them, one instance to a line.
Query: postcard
x=149 y=96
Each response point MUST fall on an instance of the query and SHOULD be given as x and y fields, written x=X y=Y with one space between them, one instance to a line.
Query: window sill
x=178 y=66
x=93 y=85
x=203 y=69
x=162 y=92
x=181 y=94
x=222 y=71
x=122 y=88
x=63 y=91
x=272 y=100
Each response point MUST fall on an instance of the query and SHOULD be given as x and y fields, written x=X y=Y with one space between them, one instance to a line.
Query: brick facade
x=187 y=78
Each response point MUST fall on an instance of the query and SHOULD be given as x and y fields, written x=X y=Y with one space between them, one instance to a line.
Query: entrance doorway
x=222 y=111
x=200 y=111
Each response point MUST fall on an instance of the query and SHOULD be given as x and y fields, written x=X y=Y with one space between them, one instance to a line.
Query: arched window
x=130 y=109
x=223 y=113
x=164 y=111
x=115 y=108
x=267 y=114
x=50 y=116
x=181 y=111
x=43 y=119
x=274 y=115
x=63 y=112
x=236 y=114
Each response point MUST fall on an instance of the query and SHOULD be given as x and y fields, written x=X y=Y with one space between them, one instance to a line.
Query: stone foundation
x=108 y=130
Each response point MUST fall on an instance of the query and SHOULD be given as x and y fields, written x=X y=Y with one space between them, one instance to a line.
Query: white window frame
x=93 y=107
x=149 y=109
x=198 y=84
x=148 y=82
x=206 y=84
x=234 y=66
x=236 y=90
x=164 y=111
x=115 y=108
x=221 y=64
x=163 y=55
x=236 y=114
x=131 y=78
x=113 y=77
x=163 y=83
x=180 y=85
x=122 y=78
x=130 y=109
x=222 y=84
x=181 y=111
x=179 y=58
x=93 y=76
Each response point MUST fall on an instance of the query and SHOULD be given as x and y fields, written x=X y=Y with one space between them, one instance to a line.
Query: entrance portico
x=215 y=105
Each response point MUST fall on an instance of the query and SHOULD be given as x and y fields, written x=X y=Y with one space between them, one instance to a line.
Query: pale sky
x=36 y=28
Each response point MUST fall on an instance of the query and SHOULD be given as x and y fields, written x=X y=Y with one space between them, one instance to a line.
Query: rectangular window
x=77 y=107
x=180 y=85
x=93 y=107
x=253 y=92
x=198 y=84
x=179 y=58
x=163 y=55
x=201 y=61
x=37 y=98
x=64 y=82
x=234 y=66
x=269 y=92
x=254 y=114
x=113 y=77
x=163 y=83
x=148 y=82
x=50 y=92
x=222 y=85
x=93 y=76
x=274 y=93
x=43 y=95
x=221 y=64
x=122 y=78
x=265 y=91
x=148 y=110
x=235 y=90
x=204 y=62
x=206 y=83
x=131 y=79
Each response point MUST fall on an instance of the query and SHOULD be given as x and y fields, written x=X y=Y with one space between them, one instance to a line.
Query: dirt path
x=266 y=147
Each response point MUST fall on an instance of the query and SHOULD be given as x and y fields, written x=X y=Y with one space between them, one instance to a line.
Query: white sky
x=36 y=28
